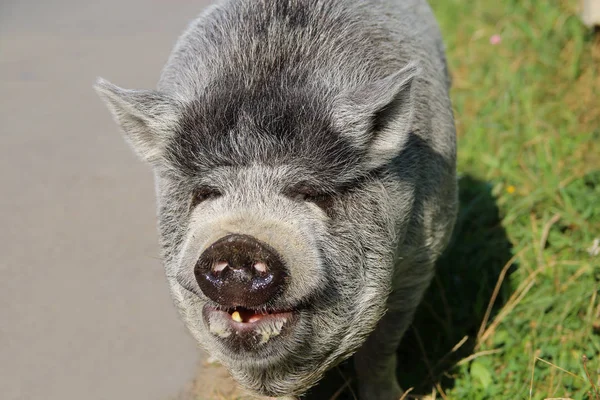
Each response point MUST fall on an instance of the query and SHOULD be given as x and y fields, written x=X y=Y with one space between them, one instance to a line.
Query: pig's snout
x=240 y=271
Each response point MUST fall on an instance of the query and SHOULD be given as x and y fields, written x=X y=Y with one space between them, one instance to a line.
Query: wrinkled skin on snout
x=304 y=161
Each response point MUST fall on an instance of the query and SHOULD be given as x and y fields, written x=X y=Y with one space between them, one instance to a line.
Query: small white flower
x=594 y=249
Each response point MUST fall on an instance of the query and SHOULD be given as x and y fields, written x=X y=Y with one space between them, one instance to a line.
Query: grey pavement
x=84 y=306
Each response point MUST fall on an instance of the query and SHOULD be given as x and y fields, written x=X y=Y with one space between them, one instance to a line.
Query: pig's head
x=279 y=215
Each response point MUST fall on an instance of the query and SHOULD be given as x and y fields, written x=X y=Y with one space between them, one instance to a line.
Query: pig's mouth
x=249 y=330
x=248 y=316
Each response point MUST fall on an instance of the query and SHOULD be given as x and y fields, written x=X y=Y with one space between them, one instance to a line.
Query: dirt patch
x=212 y=382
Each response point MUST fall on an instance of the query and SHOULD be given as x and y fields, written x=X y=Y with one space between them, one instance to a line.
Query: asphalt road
x=84 y=307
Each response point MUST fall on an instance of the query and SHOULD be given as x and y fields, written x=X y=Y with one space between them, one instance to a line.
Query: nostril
x=219 y=266
x=260 y=267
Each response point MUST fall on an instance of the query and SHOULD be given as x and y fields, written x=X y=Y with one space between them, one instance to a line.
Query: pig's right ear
x=379 y=116
x=147 y=117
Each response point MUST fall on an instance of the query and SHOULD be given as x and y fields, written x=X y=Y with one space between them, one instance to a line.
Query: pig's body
x=304 y=154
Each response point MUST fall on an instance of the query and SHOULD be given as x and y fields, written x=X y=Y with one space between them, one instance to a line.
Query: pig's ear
x=146 y=117
x=378 y=116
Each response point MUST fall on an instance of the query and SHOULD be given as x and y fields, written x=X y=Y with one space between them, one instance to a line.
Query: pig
x=304 y=162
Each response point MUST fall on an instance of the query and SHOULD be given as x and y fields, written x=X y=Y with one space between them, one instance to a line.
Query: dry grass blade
x=584 y=359
x=428 y=364
x=404 y=396
x=433 y=395
x=477 y=355
x=510 y=305
x=341 y=389
x=546 y=231
x=559 y=368
x=532 y=374
x=496 y=291
x=573 y=278
x=459 y=344
x=344 y=386
x=452 y=351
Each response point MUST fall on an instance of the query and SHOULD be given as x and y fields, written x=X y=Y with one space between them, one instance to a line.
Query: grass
x=528 y=117
x=514 y=312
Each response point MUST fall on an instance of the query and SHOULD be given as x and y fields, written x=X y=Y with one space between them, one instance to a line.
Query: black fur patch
x=266 y=123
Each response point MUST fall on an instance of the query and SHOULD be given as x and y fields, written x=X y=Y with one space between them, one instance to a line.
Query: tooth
x=236 y=316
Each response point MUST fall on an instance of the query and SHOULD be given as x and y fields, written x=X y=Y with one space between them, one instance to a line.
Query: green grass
x=528 y=117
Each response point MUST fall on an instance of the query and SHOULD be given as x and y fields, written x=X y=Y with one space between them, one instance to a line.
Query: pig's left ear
x=147 y=117
x=378 y=116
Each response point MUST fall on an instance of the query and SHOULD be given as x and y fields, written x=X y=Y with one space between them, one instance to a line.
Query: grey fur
x=347 y=97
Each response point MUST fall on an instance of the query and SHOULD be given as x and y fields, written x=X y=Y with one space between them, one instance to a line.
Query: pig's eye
x=321 y=199
x=204 y=193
